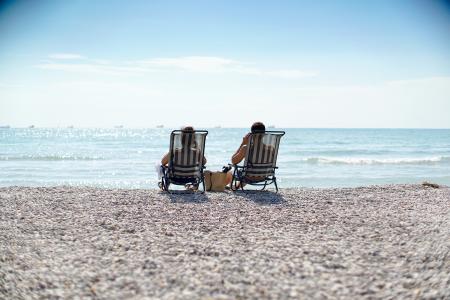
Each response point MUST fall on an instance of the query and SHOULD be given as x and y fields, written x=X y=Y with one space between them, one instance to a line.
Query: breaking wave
x=377 y=161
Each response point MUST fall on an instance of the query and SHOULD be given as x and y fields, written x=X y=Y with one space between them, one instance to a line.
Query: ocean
x=126 y=158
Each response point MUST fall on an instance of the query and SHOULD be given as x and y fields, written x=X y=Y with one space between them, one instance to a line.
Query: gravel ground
x=369 y=242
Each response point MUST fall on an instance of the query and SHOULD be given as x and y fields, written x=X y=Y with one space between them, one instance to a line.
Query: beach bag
x=215 y=181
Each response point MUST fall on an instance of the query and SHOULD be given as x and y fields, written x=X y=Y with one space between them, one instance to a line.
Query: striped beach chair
x=260 y=161
x=186 y=163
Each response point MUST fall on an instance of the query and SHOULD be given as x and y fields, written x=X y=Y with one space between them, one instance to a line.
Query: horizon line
x=210 y=127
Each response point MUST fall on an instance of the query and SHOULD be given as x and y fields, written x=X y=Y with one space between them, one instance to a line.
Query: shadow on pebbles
x=369 y=242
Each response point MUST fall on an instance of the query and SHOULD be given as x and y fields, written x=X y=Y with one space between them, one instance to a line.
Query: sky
x=364 y=64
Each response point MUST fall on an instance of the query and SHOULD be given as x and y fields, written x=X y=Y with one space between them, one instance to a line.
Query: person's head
x=187 y=128
x=186 y=133
x=258 y=127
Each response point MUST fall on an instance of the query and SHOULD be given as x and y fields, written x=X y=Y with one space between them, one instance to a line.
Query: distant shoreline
x=123 y=127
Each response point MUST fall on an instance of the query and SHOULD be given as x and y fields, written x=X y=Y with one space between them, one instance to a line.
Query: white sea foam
x=376 y=161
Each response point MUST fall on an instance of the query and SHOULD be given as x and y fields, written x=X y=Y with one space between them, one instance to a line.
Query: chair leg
x=233 y=181
x=241 y=183
x=162 y=184
x=265 y=184
x=275 y=182
x=203 y=184
x=166 y=184
x=163 y=179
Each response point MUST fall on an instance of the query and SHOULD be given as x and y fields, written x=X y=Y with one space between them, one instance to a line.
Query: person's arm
x=165 y=159
x=240 y=153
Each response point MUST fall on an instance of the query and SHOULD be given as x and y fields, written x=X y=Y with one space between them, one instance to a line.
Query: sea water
x=125 y=158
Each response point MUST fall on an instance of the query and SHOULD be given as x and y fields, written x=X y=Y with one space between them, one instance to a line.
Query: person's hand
x=245 y=139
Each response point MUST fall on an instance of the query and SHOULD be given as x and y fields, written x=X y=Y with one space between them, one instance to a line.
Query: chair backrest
x=262 y=152
x=187 y=149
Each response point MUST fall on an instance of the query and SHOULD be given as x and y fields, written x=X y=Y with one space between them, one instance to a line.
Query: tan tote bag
x=215 y=181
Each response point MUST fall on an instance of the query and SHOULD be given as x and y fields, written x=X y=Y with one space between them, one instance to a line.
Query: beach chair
x=260 y=161
x=186 y=154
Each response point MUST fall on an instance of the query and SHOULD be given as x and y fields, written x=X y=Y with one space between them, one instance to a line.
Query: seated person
x=242 y=150
x=186 y=130
x=191 y=149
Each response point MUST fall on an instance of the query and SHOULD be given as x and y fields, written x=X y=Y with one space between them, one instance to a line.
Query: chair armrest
x=236 y=166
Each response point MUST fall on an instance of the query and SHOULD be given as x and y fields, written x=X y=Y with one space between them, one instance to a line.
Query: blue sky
x=290 y=63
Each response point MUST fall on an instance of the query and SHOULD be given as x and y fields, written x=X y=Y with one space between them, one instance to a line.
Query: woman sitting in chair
x=187 y=130
x=185 y=152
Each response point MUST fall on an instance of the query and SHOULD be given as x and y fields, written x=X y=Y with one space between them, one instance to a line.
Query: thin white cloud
x=11 y=85
x=212 y=64
x=194 y=64
x=292 y=73
x=66 y=56
x=426 y=80
x=419 y=89
x=92 y=68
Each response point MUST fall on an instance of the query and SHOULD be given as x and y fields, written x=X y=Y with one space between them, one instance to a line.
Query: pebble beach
x=390 y=241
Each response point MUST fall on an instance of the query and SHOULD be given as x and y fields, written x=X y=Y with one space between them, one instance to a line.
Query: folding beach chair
x=186 y=154
x=260 y=161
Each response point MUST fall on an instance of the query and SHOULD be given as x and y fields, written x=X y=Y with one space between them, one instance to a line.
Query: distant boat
x=218 y=126
x=70 y=126
x=31 y=126
x=5 y=126
x=271 y=126
x=159 y=126
x=118 y=126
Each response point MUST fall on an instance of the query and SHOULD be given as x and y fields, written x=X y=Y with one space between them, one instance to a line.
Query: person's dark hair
x=187 y=128
x=258 y=127
x=186 y=132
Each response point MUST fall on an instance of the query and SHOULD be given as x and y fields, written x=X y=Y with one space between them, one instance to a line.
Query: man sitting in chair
x=257 y=127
